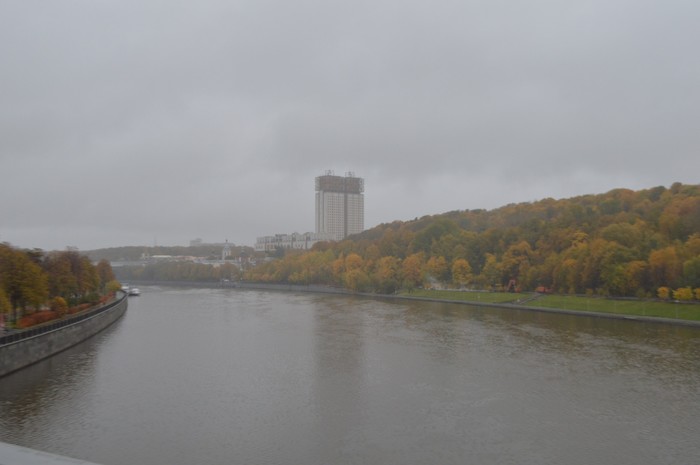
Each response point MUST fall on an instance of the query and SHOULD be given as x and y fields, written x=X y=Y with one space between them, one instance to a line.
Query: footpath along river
x=229 y=376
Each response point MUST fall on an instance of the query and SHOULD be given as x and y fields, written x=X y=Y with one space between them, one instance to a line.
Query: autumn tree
x=386 y=275
x=665 y=267
x=491 y=273
x=5 y=305
x=104 y=274
x=21 y=279
x=412 y=271
x=461 y=272
x=437 y=269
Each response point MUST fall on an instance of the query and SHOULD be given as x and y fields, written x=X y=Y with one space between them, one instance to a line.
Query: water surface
x=225 y=376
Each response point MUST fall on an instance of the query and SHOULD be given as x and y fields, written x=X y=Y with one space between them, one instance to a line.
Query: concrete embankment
x=24 y=348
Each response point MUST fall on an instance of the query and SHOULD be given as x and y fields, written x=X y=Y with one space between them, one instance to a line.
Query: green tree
x=691 y=272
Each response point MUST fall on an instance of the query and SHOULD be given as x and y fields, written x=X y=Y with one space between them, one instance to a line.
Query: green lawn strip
x=621 y=307
x=648 y=308
x=468 y=296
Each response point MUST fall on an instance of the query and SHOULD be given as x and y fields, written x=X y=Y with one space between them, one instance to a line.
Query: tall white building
x=340 y=205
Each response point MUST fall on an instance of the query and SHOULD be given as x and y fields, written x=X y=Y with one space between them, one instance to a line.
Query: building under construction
x=340 y=205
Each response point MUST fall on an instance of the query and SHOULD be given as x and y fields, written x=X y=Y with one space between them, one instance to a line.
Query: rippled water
x=225 y=376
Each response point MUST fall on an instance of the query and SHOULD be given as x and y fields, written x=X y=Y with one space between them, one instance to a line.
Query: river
x=227 y=376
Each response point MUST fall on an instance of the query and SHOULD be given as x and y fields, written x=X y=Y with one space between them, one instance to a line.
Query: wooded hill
x=622 y=243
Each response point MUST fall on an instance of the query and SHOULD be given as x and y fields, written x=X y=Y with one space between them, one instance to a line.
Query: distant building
x=340 y=205
x=290 y=241
x=226 y=252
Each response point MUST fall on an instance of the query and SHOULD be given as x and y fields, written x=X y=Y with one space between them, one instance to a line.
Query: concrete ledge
x=16 y=455
x=24 y=352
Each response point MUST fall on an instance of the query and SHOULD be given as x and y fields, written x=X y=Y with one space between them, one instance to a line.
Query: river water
x=226 y=376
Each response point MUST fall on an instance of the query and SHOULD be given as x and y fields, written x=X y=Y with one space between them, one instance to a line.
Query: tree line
x=34 y=280
x=179 y=271
x=622 y=243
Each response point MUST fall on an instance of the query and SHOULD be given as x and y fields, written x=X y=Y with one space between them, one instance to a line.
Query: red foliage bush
x=37 y=318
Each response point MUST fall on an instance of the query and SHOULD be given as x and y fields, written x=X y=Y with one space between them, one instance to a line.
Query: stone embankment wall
x=25 y=348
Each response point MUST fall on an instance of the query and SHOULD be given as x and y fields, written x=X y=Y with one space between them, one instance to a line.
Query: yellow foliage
x=683 y=293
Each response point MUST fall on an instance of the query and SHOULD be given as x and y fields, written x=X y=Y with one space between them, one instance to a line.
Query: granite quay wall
x=23 y=348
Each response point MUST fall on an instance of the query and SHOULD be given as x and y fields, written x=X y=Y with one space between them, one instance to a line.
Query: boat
x=134 y=291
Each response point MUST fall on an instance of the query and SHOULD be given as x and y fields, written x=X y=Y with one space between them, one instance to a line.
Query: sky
x=161 y=121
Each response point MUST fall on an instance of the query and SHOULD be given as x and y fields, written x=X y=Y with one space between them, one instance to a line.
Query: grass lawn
x=468 y=296
x=622 y=307
x=648 y=308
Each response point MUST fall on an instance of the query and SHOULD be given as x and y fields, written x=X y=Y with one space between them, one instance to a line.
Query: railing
x=52 y=326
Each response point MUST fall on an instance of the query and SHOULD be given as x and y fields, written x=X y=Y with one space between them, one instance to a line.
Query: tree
x=386 y=275
x=104 y=273
x=491 y=273
x=356 y=280
x=5 y=306
x=437 y=269
x=691 y=272
x=22 y=280
x=665 y=267
x=461 y=272
x=412 y=270
x=516 y=261
x=61 y=279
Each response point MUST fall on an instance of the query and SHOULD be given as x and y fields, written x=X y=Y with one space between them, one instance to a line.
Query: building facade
x=290 y=241
x=340 y=205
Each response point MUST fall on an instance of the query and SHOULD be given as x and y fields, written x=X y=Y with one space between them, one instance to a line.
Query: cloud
x=211 y=119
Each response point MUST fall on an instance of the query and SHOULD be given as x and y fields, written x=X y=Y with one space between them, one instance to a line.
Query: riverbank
x=23 y=348
x=620 y=309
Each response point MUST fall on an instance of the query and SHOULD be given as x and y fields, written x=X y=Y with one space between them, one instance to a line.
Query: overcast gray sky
x=134 y=122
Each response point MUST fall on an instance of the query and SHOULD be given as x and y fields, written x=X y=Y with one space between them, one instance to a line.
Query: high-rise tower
x=340 y=205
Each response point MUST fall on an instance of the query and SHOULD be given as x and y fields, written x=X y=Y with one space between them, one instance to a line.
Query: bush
x=37 y=318
x=684 y=293
x=59 y=305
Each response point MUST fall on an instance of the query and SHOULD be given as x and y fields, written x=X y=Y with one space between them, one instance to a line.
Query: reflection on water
x=231 y=376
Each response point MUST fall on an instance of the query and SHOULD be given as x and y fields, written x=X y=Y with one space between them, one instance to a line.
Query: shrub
x=37 y=318
x=663 y=293
x=684 y=293
x=59 y=305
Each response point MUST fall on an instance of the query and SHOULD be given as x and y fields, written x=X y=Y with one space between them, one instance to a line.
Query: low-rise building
x=303 y=241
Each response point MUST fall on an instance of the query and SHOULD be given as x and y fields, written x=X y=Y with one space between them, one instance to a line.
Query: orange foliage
x=37 y=318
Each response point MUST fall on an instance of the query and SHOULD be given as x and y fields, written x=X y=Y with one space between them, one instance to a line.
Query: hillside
x=622 y=243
